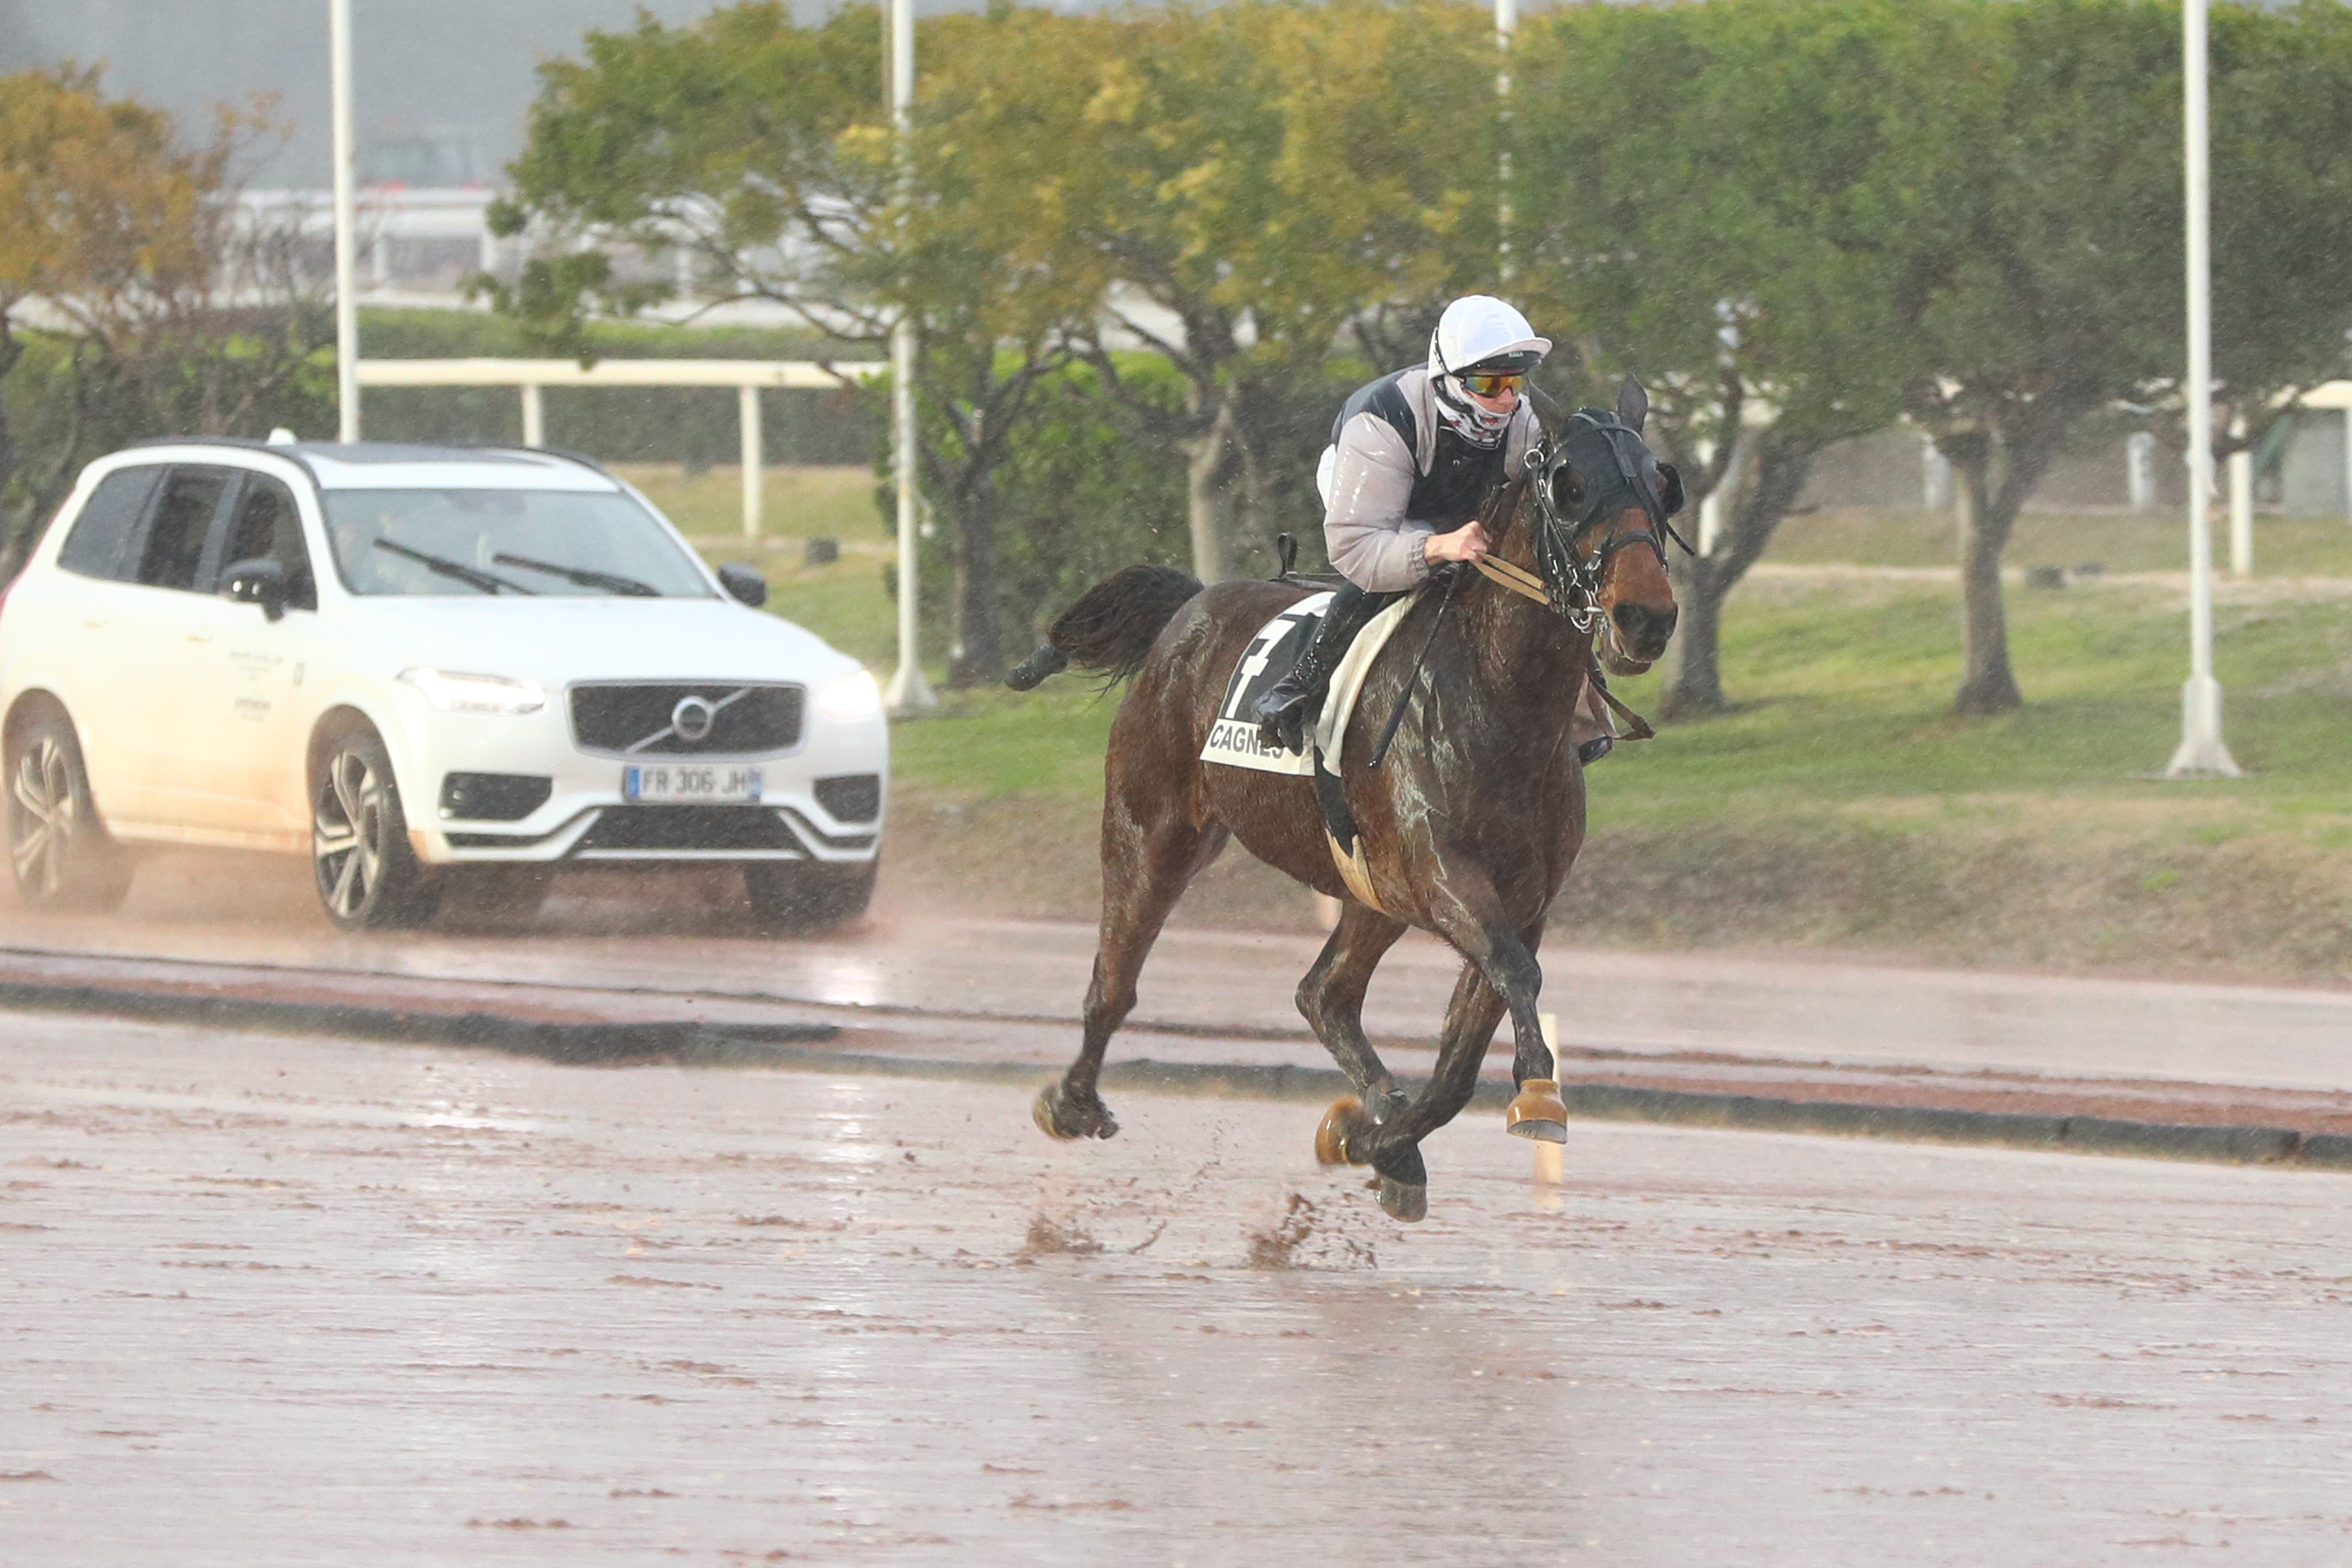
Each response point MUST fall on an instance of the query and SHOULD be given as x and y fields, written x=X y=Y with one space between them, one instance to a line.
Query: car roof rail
x=566 y=453
x=239 y=443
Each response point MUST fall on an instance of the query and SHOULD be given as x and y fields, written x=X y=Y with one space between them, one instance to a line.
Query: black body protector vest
x=1460 y=475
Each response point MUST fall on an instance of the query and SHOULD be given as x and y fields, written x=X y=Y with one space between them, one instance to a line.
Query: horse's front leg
x=1470 y=1020
x=1467 y=913
x=1331 y=1000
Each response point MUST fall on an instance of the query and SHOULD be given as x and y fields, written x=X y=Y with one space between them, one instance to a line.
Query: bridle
x=1566 y=581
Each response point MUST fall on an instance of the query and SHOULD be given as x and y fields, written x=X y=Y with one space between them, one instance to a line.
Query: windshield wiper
x=442 y=566
x=585 y=576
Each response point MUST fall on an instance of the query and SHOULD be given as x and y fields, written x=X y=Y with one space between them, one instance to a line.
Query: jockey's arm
x=1364 y=528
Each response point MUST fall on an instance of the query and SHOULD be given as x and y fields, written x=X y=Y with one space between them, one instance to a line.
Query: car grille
x=689 y=827
x=642 y=719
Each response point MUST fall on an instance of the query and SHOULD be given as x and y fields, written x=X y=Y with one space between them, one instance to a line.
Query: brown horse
x=1467 y=829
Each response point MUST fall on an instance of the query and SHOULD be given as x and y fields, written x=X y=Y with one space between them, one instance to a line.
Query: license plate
x=690 y=783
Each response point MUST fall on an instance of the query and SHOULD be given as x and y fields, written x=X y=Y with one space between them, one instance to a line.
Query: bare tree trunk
x=978 y=658
x=1694 y=668
x=1988 y=684
x=1208 y=495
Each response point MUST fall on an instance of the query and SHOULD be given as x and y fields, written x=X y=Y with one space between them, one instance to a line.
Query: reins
x=1566 y=582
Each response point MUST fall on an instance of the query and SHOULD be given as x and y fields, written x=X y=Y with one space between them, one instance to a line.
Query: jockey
x=1412 y=457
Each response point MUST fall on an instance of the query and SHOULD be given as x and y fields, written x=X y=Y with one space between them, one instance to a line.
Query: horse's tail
x=1112 y=626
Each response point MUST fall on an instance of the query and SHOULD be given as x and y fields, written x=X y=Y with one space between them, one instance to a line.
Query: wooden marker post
x=1550 y=1168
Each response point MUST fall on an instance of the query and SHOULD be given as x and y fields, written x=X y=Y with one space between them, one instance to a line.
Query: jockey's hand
x=1467 y=542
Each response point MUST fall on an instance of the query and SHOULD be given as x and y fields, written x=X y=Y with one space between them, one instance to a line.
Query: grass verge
x=1837 y=803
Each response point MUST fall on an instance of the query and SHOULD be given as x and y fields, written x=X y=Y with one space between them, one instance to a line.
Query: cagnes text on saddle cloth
x=1234 y=738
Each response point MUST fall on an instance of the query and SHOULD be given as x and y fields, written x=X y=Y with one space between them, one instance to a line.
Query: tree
x=1720 y=238
x=765 y=149
x=2044 y=275
x=1253 y=179
x=175 y=314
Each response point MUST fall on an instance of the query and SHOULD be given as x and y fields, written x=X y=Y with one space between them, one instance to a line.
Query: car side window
x=174 y=549
x=100 y=544
x=267 y=526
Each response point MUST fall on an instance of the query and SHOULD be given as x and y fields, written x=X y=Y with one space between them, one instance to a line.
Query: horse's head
x=1601 y=501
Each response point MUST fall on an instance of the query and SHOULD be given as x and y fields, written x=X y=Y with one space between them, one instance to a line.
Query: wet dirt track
x=287 y=1300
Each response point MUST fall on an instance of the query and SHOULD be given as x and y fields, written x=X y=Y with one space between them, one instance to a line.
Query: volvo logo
x=693 y=718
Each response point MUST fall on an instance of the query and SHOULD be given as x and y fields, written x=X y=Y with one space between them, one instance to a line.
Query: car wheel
x=57 y=849
x=368 y=875
x=493 y=899
x=792 y=896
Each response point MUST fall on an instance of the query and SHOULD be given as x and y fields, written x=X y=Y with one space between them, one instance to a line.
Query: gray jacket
x=1396 y=473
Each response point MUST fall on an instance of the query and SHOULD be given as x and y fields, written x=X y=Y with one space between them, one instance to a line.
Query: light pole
x=2202 y=753
x=347 y=303
x=1506 y=26
x=908 y=692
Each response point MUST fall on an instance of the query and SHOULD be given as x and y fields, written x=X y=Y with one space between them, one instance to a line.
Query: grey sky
x=440 y=85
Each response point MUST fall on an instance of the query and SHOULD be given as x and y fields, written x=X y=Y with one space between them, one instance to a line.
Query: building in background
x=440 y=88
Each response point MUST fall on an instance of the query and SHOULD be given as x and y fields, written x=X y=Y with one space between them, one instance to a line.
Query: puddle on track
x=274 y=1299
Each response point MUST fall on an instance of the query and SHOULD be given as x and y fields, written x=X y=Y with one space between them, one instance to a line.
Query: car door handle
x=200 y=637
x=95 y=623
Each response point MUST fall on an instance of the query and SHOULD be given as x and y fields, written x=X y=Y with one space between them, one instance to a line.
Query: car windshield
x=420 y=542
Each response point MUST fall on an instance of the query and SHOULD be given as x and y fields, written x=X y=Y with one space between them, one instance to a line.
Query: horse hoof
x=1341 y=1138
x=1059 y=1116
x=1538 y=1112
x=1407 y=1201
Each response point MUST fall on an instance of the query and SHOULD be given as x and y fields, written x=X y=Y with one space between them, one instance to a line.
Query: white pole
x=907 y=691
x=346 y=299
x=1551 y=1165
x=748 y=399
x=1710 y=511
x=1934 y=477
x=2202 y=753
x=2139 y=470
x=534 y=416
x=2242 y=506
x=1506 y=26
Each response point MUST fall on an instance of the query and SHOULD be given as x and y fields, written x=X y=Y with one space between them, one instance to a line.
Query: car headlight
x=854 y=696
x=454 y=693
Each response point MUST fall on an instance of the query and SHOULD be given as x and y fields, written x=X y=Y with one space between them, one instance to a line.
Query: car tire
x=493 y=899
x=791 y=898
x=61 y=853
x=367 y=874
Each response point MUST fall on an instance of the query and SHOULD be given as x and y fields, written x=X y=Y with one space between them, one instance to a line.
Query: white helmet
x=1479 y=332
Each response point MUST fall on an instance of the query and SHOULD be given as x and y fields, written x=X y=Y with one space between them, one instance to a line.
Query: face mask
x=1478 y=426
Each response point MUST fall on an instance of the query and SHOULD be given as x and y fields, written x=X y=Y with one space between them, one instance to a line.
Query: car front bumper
x=585 y=819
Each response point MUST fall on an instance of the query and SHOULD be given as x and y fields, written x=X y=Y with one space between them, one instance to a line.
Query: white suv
x=434 y=670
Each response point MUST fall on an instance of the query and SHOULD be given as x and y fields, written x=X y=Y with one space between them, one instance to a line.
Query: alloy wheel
x=347 y=837
x=47 y=819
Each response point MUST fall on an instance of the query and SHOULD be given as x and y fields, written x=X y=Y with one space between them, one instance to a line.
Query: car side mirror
x=743 y=583
x=259 y=583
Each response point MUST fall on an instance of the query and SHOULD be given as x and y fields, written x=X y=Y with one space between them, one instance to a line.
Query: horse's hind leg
x=1331 y=999
x=1146 y=868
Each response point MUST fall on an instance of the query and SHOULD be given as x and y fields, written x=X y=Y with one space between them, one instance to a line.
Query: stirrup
x=1595 y=749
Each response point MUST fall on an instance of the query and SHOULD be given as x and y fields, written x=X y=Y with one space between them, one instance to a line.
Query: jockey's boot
x=1289 y=707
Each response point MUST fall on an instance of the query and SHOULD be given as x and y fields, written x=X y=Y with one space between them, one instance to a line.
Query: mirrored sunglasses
x=1494 y=385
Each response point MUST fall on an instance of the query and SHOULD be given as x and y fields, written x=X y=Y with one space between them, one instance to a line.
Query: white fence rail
x=750 y=377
